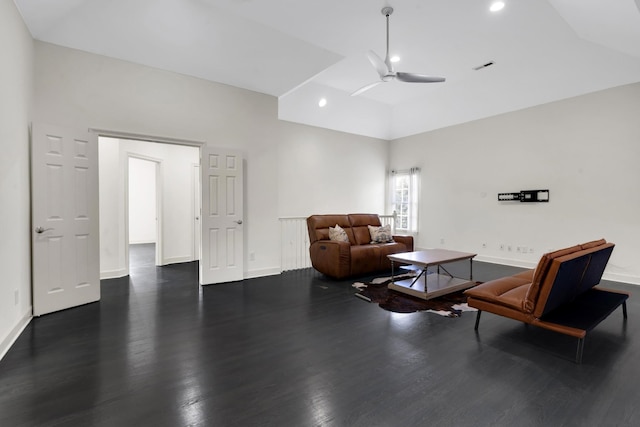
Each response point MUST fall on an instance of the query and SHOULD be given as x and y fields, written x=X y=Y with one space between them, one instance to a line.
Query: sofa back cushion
x=540 y=273
x=593 y=244
x=595 y=268
x=571 y=274
x=360 y=225
x=318 y=226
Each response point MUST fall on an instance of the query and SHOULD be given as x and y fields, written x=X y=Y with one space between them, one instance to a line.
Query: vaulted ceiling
x=302 y=51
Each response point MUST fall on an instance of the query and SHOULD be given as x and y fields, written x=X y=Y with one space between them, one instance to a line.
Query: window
x=404 y=192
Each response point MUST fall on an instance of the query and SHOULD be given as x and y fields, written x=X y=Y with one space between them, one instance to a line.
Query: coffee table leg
x=470 y=268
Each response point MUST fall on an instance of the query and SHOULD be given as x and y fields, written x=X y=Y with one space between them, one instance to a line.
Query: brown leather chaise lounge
x=356 y=257
x=559 y=294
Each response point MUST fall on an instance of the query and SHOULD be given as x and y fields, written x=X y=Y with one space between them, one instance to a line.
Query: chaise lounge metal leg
x=477 y=320
x=624 y=309
x=579 y=351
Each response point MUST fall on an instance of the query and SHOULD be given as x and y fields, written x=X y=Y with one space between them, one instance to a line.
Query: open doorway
x=144 y=221
x=173 y=218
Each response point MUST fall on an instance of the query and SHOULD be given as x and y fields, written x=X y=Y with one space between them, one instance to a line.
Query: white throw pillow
x=337 y=234
x=380 y=234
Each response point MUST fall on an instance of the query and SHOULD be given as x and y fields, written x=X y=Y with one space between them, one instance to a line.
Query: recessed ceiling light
x=496 y=6
x=322 y=102
x=395 y=59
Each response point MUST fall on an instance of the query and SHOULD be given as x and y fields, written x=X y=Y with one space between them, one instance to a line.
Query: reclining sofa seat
x=359 y=256
x=559 y=294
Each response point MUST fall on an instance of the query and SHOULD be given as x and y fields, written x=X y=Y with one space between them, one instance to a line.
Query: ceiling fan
x=385 y=69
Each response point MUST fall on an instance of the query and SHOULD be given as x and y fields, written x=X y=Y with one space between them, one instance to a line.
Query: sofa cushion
x=540 y=273
x=526 y=274
x=364 y=259
x=568 y=268
x=545 y=260
x=506 y=291
x=360 y=225
x=318 y=226
x=380 y=234
x=337 y=234
x=561 y=284
x=593 y=244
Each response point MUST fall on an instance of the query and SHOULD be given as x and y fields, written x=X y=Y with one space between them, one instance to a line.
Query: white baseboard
x=15 y=332
x=252 y=274
x=506 y=261
x=623 y=278
x=113 y=274
x=177 y=260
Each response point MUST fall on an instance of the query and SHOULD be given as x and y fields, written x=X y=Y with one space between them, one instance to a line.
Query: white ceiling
x=300 y=51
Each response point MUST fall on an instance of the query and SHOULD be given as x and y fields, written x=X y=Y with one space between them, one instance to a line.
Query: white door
x=221 y=221
x=64 y=210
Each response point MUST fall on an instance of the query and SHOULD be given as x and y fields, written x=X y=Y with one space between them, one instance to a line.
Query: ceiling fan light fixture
x=496 y=6
x=322 y=102
x=395 y=59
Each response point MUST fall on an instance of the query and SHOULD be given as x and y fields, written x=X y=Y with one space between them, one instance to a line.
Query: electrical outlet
x=502 y=246
x=442 y=241
x=252 y=256
x=509 y=248
x=484 y=246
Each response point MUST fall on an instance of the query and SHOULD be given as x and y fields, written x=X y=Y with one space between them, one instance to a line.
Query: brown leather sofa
x=559 y=294
x=356 y=257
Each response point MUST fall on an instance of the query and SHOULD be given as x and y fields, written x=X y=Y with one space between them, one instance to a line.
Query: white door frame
x=196 y=204
x=151 y=139
x=158 y=207
x=202 y=147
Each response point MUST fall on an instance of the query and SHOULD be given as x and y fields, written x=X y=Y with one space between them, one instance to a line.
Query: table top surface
x=429 y=257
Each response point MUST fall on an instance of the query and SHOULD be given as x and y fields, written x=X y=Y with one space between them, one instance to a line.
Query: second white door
x=222 y=257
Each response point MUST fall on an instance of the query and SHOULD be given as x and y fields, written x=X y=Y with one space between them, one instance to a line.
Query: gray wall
x=585 y=150
x=16 y=93
x=290 y=169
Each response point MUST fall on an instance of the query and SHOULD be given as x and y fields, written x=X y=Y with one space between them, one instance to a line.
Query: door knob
x=239 y=221
x=41 y=230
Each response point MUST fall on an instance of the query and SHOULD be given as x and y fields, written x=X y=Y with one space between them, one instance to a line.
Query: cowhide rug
x=452 y=305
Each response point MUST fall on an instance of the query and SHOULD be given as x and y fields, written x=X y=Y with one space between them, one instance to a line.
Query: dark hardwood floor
x=298 y=349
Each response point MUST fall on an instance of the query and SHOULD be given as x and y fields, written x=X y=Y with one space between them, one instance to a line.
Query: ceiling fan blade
x=418 y=78
x=378 y=63
x=366 y=88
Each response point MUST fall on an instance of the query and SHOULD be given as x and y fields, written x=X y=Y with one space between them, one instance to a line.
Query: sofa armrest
x=407 y=240
x=331 y=258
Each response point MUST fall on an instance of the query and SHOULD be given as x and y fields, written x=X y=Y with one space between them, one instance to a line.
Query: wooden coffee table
x=427 y=285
